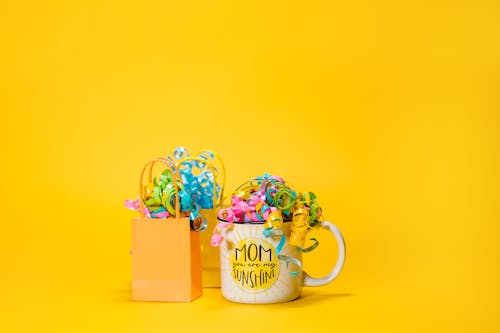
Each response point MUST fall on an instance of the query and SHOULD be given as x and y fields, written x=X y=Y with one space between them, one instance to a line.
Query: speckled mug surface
x=251 y=271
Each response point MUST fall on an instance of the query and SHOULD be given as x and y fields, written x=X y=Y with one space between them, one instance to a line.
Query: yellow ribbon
x=299 y=226
x=274 y=220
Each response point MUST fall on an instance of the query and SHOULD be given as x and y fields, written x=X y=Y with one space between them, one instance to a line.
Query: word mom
x=253 y=252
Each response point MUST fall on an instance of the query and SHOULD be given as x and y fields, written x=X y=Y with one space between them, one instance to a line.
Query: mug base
x=262 y=300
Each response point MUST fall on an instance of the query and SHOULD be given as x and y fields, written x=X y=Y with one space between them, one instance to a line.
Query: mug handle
x=309 y=281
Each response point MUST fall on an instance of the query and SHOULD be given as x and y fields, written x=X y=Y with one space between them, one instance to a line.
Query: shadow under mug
x=252 y=272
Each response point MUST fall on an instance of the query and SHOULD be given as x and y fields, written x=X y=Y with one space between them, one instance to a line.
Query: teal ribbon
x=198 y=183
x=197 y=221
x=273 y=232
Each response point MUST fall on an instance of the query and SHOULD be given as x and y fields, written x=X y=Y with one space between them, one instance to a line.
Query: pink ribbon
x=217 y=237
x=135 y=205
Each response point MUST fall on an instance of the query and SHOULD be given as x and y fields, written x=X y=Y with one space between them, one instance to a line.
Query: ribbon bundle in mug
x=270 y=200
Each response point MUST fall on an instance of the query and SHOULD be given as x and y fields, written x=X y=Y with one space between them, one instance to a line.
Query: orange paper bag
x=166 y=254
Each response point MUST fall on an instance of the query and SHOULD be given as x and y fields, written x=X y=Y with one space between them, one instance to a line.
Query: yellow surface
x=387 y=110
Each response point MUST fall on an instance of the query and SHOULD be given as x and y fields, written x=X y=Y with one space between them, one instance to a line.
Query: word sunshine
x=254 y=265
x=253 y=279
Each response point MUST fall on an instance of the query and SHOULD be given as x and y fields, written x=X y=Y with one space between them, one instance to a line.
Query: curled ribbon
x=197 y=189
x=159 y=196
x=299 y=228
x=268 y=199
x=217 y=237
x=271 y=232
x=197 y=221
x=273 y=229
x=255 y=200
x=135 y=205
x=199 y=176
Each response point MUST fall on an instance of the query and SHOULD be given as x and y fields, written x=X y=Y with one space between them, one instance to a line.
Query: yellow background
x=388 y=110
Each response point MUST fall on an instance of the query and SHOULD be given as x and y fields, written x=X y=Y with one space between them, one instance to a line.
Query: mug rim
x=252 y=223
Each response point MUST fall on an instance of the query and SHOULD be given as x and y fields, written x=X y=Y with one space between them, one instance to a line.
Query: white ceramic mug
x=251 y=271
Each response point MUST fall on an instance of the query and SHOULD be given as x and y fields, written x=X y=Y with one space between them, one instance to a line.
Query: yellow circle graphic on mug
x=254 y=265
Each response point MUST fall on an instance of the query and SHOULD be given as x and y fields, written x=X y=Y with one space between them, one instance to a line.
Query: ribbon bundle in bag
x=198 y=188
